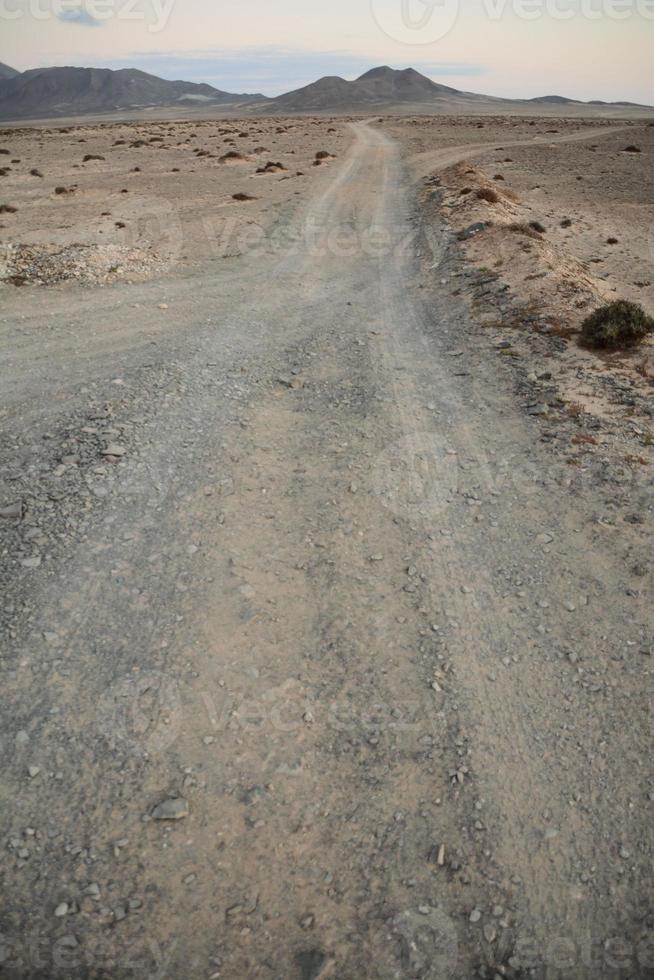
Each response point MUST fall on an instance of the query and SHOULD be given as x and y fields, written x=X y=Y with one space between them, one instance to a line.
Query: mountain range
x=62 y=92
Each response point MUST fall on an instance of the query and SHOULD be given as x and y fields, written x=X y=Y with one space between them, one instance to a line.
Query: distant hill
x=51 y=92
x=7 y=72
x=378 y=87
x=553 y=100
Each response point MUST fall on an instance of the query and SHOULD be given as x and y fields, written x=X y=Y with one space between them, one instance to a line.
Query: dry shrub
x=522 y=228
x=232 y=157
x=488 y=194
x=616 y=326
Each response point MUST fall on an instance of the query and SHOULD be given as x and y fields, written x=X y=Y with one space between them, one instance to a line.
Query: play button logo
x=415 y=21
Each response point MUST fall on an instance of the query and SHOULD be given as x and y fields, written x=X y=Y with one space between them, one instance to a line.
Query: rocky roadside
x=595 y=412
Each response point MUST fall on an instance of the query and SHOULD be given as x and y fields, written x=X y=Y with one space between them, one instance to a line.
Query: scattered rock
x=172 y=809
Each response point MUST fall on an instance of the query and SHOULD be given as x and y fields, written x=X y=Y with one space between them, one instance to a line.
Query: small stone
x=114 y=449
x=475 y=915
x=33 y=771
x=61 y=910
x=32 y=562
x=173 y=809
x=12 y=512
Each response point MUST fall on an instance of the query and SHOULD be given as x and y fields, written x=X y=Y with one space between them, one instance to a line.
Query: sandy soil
x=327 y=615
x=160 y=196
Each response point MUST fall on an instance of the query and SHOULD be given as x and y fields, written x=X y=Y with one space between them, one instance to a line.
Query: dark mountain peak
x=7 y=72
x=384 y=72
x=381 y=72
x=406 y=84
x=330 y=80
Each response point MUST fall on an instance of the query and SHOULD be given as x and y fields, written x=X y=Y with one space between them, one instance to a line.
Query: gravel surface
x=319 y=659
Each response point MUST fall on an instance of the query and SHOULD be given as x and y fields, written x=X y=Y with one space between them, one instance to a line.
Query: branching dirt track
x=337 y=597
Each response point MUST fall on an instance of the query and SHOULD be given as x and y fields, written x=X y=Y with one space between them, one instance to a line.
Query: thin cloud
x=272 y=70
x=79 y=16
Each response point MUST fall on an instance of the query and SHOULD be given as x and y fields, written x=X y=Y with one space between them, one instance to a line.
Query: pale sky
x=585 y=49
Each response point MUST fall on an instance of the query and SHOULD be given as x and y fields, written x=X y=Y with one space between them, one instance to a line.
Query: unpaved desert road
x=332 y=595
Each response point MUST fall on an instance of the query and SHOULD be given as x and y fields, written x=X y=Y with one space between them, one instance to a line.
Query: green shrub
x=616 y=326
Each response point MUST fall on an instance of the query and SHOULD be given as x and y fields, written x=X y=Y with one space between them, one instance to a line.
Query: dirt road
x=296 y=565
